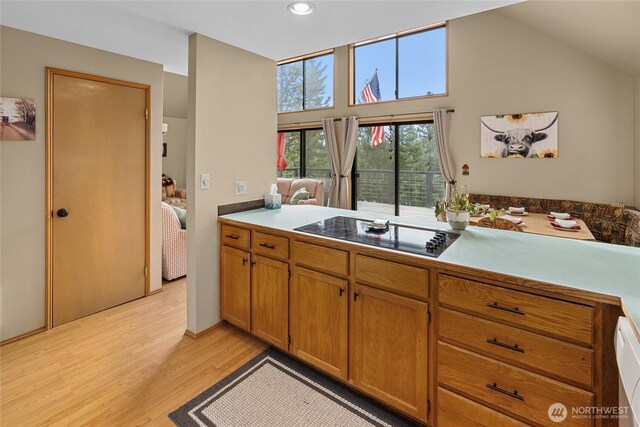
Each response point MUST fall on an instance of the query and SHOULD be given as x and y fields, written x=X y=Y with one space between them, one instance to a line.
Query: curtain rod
x=367 y=117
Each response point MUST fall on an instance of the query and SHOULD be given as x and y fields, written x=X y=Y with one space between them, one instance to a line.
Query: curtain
x=341 y=138
x=441 y=121
x=281 y=163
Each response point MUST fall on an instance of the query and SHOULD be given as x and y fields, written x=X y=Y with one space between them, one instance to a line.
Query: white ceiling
x=158 y=31
x=608 y=30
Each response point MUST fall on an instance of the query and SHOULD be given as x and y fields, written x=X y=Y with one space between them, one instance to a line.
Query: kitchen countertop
x=595 y=267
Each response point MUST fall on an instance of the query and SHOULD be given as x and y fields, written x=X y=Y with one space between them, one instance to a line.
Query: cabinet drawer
x=411 y=281
x=506 y=387
x=234 y=236
x=270 y=245
x=548 y=355
x=456 y=411
x=543 y=314
x=321 y=258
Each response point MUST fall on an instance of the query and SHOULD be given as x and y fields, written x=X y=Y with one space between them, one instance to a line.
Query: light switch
x=204 y=181
x=241 y=187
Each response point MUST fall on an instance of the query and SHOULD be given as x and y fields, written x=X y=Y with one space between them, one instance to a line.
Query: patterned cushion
x=608 y=223
x=168 y=186
x=176 y=201
x=632 y=232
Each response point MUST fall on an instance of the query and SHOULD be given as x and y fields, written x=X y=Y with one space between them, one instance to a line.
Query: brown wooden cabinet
x=235 y=287
x=319 y=304
x=389 y=352
x=499 y=351
x=270 y=300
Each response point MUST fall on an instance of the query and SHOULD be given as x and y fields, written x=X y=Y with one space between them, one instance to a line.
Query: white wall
x=499 y=66
x=175 y=164
x=23 y=58
x=175 y=115
x=231 y=130
x=174 y=98
x=636 y=146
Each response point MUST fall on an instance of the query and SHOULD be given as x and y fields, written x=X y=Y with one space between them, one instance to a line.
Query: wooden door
x=236 y=287
x=270 y=301
x=390 y=349
x=319 y=304
x=98 y=193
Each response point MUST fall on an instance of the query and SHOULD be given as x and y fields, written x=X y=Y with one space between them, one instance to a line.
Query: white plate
x=557 y=227
x=525 y=213
x=559 y=215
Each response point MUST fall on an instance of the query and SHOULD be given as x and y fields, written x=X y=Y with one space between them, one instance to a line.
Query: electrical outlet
x=204 y=181
x=241 y=187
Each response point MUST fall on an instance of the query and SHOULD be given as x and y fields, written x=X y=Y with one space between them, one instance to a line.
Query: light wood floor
x=130 y=365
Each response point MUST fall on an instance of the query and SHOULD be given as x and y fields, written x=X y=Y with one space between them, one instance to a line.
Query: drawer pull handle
x=507 y=346
x=497 y=306
x=232 y=236
x=515 y=394
x=268 y=246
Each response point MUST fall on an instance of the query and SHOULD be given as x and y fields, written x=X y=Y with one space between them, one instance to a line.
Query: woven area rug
x=274 y=390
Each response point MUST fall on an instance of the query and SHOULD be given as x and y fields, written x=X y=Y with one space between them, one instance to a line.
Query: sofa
x=608 y=223
x=288 y=186
x=174 y=245
x=172 y=194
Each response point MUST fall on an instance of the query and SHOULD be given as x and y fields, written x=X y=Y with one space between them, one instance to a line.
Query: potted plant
x=458 y=210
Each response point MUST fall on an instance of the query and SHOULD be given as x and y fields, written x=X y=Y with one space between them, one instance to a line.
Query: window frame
x=397 y=36
x=303 y=58
x=303 y=146
x=396 y=160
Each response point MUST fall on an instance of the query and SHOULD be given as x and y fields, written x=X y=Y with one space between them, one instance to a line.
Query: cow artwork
x=527 y=135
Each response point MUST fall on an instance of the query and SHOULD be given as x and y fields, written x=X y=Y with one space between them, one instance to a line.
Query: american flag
x=371 y=93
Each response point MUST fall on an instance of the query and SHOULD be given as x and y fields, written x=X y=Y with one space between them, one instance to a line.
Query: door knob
x=62 y=213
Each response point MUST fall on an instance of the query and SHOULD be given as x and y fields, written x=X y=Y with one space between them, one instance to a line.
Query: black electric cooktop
x=403 y=238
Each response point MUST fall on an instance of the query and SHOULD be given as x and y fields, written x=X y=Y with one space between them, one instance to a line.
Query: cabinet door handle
x=503 y=345
x=497 y=306
x=341 y=291
x=244 y=261
x=232 y=236
x=513 y=394
x=268 y=246
x=253 y=263
x=355 y=296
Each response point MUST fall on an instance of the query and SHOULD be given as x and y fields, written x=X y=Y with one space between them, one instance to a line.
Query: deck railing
x=417 y=188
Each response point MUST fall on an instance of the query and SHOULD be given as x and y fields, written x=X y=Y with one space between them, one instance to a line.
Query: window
x=403 y=66
x=400 y=176
x=306 y=83
x=306 y=156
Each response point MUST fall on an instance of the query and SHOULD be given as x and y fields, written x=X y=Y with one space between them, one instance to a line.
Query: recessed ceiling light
x=301 y=8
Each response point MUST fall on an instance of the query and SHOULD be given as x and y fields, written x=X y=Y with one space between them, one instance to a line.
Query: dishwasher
x=628 y=358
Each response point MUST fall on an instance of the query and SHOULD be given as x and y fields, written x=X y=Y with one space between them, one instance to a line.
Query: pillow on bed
x=182 y=216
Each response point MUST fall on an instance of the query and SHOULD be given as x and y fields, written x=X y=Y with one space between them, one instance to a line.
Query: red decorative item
x=281 y=163
x=465 y=169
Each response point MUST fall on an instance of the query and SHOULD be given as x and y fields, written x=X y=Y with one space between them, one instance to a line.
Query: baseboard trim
x=23 y=336
x=210 y=329
x=157 y=291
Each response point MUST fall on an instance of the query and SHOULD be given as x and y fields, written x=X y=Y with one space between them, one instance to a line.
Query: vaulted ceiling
x=158 y=31
x=608 y=30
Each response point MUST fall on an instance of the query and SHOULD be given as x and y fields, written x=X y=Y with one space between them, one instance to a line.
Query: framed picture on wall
x=523 y=135
x=17 y=119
